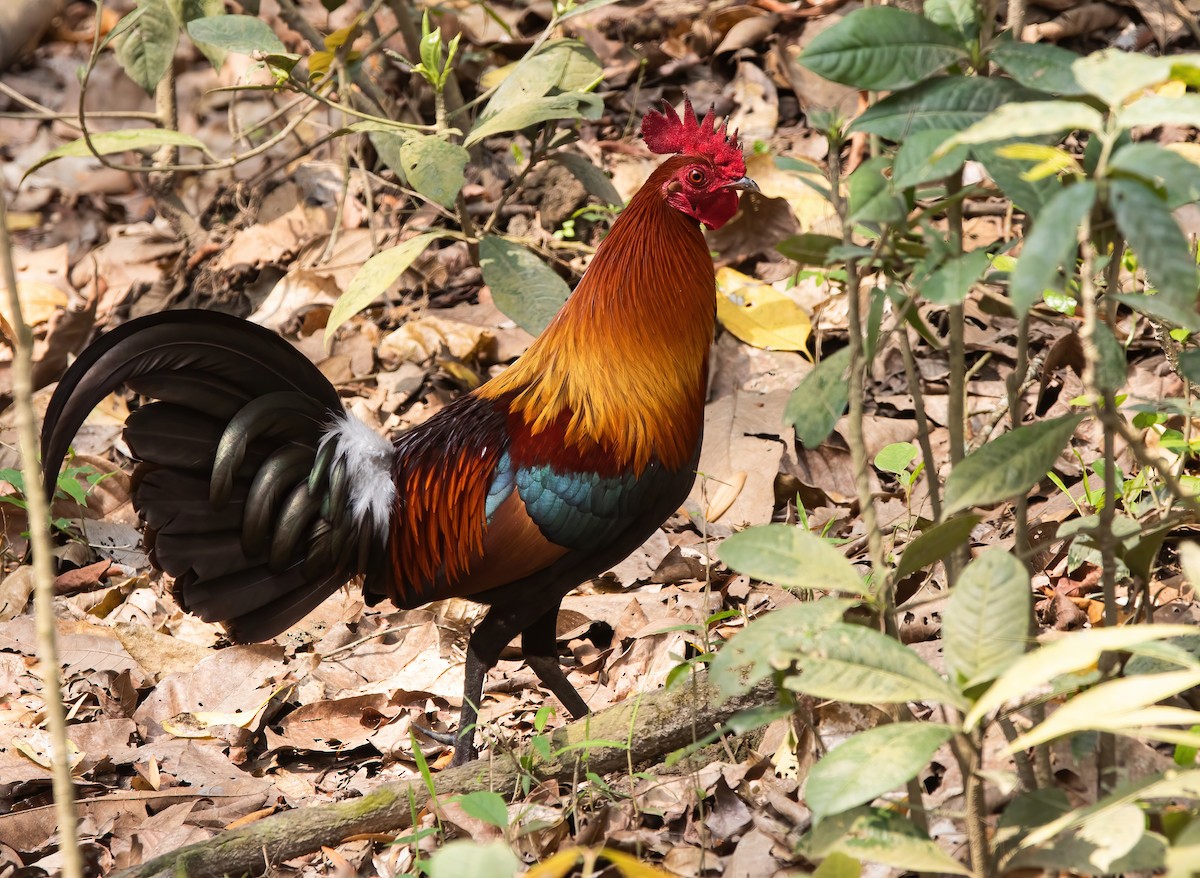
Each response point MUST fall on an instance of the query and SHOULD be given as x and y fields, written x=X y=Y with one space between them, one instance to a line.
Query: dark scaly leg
x=499 y=626
x=539 y=643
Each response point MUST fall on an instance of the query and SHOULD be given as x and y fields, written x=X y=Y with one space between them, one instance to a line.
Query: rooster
x=261 y=495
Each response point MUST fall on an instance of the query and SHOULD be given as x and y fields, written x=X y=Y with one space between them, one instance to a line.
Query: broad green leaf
x=197 y=9
x=526 y=289
x=809 y=248
x=952 y=281
x=946 y=103
x=485 y=805
x=524 y=114
x=240 y=34
x=147 y=48
x=870 y=764
x=772 y=642
x=879 y=835
x=882 y=48
x=373 y=279
x=1008 y=465
x=936 y=543
x=838 y=865
x=562 y=65
x=915 y=163
x=1031 y=119
x=1161 y=247
x=434 y=167
x=1031 y=196
x=792 y=557
x=1041 y=66
x=1183 y=855
x=862 y=666
x=1050 y=244
x=819 y=400
x=960 y=17
x=1175 y=176
x=871 y=196
x=1155 y=110
x=388 y=145
x=896 y=457
x=122 y=140
x=759 y=314
x=463 y=857
x=985 y=625
x=594 y=180
x=1121 y=705
x=1114 y=76
x=1076 y=652
x=1076 y=854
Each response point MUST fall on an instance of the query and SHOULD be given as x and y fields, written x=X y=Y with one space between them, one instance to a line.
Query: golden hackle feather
x=626 y=358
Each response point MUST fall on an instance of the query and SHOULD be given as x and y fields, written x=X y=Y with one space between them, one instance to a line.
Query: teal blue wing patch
x=587 y=511
x=501 y=486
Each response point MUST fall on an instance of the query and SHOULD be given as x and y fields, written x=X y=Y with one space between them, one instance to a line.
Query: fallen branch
x=663 y=721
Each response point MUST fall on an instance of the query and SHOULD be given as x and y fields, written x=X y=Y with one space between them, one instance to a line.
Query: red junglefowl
x=262 y=496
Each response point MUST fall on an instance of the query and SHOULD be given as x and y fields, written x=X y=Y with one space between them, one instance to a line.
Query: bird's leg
x=539 y=643
x=490 y=636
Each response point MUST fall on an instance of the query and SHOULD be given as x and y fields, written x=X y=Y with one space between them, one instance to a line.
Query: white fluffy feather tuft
x=368 y=461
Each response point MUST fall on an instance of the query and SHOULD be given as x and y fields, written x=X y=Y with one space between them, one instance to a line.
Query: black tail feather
x=236 y=508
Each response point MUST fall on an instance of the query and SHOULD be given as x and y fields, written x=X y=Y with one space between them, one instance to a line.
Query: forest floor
x=178 y=734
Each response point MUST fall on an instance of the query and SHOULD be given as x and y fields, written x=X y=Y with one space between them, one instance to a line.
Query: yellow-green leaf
x=760 y=315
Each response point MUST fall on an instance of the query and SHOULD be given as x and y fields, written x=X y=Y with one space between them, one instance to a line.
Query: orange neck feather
x=625 y=363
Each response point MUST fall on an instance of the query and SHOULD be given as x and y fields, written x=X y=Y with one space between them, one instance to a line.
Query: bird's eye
x=695 y=177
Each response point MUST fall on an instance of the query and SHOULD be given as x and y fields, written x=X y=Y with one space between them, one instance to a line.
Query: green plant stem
x=1015 y=385
x=914 y=386
x=968 y=749
x=37 y=510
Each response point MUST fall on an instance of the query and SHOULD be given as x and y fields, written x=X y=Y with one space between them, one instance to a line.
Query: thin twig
x=38 y=511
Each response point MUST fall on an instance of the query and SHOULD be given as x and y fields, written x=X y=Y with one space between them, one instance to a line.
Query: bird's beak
x=744 y=184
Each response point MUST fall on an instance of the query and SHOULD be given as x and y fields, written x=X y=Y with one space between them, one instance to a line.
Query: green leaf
x=1177 y=178
x=882 y=48
x=809 y=248
x=1161 y=248
x=915 y=163
x=526 y=289
x=594 y=180
x=517 y=116
x=871 y=196
x=123 y=140
x=388 y=145
x=373 y=279
x=952 y=281
x=896 y=457
x=819 y=400
x=1122 y=705
x=880 y=835
x=240 y=34
x=838 y=866
x=1077 y=652
x=434 y=167
x=1114 y=76
x=986 y=621
x=1040 y=66
x=946 y=103
x=1009 y=465
x=463 y=857
x=859 y=665
x=792 y=557
x=1050 y=244
x=147 y=48
x=1031 y=119
x=960 y=17
x=870 y=764
x=197 y=9
x=486 y=806
x=772 y=642
x=1031 y=196
x=936 y=543
x=561 y=66
x=1155 y=110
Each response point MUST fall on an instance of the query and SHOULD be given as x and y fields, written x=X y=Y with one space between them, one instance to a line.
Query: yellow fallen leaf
x=760 y=315
x=35 y=746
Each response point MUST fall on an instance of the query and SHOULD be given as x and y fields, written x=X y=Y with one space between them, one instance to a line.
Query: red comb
x=666 y=133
